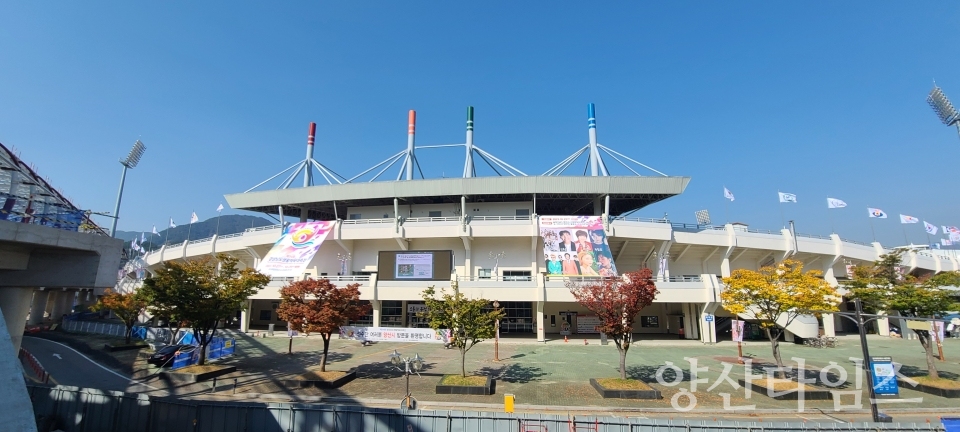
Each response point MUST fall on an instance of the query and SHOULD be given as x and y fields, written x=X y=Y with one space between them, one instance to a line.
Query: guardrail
x=499 y=218
x=35 y=365
x=203 y=240
x=263 y=228
x=816 y=236
x=495 y=278
x=855 y=242
x=367 y=221
x=680 y=279
x=637 y=219
x=346 y=278
x=432 y=219
x=239 y=234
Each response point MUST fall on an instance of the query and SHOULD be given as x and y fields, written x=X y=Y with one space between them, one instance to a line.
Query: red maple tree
x=617 y=302
x=319 y=306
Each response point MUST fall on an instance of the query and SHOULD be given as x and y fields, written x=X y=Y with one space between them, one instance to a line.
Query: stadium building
x=515 y=238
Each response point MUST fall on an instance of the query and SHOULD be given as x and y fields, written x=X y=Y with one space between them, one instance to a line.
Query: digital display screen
x=414 y=266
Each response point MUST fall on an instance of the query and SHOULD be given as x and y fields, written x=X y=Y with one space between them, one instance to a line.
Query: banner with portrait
x=296 y=247
x=737 y=330
x=576 y=246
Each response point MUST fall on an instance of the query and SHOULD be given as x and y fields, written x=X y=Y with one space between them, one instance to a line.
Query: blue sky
x=818 y=99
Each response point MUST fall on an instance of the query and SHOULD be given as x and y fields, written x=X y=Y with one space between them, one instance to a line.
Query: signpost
x=884 y=377
x=709 y=318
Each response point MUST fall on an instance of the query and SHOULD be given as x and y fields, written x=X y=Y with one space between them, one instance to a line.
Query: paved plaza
x=550 y=375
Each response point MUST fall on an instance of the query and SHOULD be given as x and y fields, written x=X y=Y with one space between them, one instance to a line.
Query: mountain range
x=229 y=224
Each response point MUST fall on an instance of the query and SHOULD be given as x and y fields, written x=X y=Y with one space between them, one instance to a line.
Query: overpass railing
x=75 y=409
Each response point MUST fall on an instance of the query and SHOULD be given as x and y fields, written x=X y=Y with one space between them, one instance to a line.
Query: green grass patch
x=940 y=383
x=622 y=384
x=457 y=380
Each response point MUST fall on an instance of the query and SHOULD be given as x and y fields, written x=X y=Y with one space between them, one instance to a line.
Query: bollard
x=234 y=386
x=508 y=400
x=213 y=388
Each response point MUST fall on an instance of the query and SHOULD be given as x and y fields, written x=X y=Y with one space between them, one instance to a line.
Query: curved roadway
x=68 y=367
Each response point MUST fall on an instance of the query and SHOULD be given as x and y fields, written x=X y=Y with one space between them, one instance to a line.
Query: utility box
x=270 y=330
x=508 y=402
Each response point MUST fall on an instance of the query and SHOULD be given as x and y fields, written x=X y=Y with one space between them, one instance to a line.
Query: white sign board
x=394 y=334
x=588 y=324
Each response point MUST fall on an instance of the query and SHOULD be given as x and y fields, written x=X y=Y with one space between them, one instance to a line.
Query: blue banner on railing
x=217 y=348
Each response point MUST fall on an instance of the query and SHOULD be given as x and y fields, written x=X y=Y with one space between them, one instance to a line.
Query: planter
x=929 y=389
x=319 y=382
x=194 y=374
x=113 y=348
x=481 y=390
x=809 y=393
x=608 y=393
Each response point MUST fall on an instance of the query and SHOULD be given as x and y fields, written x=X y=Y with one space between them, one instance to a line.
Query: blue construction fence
x=217 y=348
x=73 y=409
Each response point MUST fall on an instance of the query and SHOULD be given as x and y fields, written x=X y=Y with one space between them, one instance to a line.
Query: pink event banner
x=295 y=249
x=576 y=246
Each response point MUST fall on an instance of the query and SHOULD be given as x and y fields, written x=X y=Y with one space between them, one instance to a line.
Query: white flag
x=133 y=244
x=930 y=228
x=172 y=225
x=908 y=219
x=787 y=197
x=945 y=230
x=193 y=217
x=946 y=242
x=220 y=208
x=727 y=194
x=955 y=237
x=143 y=237
x=876 y=213
x=155 y=230
x=835 y=203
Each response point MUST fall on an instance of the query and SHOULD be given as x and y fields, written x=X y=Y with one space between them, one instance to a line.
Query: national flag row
x=143 y=238
x=951 y=231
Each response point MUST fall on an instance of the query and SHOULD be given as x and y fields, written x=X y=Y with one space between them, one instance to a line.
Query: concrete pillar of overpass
x=788 y=336
x=38 y=307
x=51 y=302
x=15 y=303
x=828 y=327
x=62 y=305
x=245 y=317
x=375 y=305
x=18 y=413
x=541 y=334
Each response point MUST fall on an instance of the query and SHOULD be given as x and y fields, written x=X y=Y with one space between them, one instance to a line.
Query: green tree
x=470 y=321
x=319 y=306
x=203 y=292
x=776 y=296
x=126 y=306
x=883 y=288
x=617 y=302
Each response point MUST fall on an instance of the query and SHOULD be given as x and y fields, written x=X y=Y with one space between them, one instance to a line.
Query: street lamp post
x=133 y=158
x=496 y=339
x=343 y=258
x=411 y=365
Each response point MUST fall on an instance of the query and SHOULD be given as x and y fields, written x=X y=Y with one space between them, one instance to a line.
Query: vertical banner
x=737 y=329
x=576 y=246
x=884 y=376
x=295 y=249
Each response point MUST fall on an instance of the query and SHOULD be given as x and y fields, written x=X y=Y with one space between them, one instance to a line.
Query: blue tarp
x=951 y=424
x=217 y=348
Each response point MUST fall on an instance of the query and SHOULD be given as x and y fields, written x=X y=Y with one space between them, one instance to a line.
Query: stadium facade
x=499 y=235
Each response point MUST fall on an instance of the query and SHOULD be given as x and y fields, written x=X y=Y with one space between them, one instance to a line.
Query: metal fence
x=80 y=410
x=113 y=329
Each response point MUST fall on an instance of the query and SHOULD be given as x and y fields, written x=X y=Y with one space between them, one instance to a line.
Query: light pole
x=496 y=263
x=944 y=109
x=343 y=258
x=496 y=339
x=133 y=158
x=411 y=365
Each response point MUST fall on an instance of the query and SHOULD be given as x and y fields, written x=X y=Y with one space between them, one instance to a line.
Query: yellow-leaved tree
x=775 y=296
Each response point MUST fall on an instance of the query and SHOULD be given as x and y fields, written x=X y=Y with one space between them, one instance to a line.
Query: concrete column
x=51 y=302
x=38 y=307
x=883 y=325
x=541 y=336
x=788 y=336
x=63 y=305
x=377 y=312
x=828 y=328
x=15 y=303
x=245 y=317
x=709 y=334
x=18 y=413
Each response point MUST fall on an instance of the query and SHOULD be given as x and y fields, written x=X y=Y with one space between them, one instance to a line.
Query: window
x=275 y=305
x=523 y=212
x=483 y=273
x=362 y=273
x=649 y=321
x=516 y=275
x=391 y=313
x=354 y=216
x=366 y=320
x=266 y=315
x=435 y=213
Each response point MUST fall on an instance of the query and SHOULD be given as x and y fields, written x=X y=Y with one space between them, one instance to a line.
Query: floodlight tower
x=941 y=105
x=133 y=158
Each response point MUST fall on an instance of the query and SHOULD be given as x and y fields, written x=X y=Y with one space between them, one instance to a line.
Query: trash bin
x=270 y=330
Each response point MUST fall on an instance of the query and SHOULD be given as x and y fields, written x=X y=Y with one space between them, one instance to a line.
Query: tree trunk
x=623 y=364
x=202 y=337
x=926 y=339
x=129 y=331
x=463 y=362
x=326 y=348
x=775 y=346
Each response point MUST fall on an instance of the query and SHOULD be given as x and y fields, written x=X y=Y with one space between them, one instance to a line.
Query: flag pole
x=872 y=231
x=833 y=229
x=218 y=222
x=167 y=237
x=190 y=227
x=904 y=226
